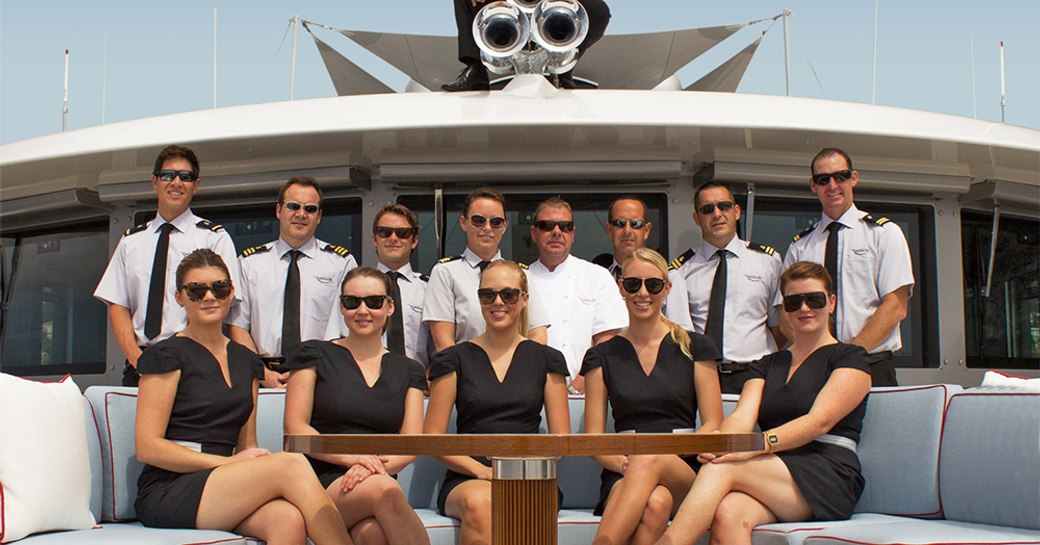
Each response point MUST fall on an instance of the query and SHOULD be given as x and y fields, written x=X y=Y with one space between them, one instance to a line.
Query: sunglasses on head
x=547 y=226
x=196 y=290
x=620 y=223
x=373 y=302
x=632 y=285
x=509 y=296
x=840 y=176
x=401 y=232
x=186 y=176
x=816 y=300
x=709 y=208
x=294 y=206
x=497 y=222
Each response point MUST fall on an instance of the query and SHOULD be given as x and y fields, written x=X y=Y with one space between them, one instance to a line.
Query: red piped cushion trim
x=111 y=453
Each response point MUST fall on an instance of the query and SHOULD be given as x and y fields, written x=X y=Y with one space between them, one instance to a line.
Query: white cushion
x=996 y=379
x=44 y=467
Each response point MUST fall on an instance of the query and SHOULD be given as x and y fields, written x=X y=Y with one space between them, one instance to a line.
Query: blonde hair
x=679 y=335
x=522 y=322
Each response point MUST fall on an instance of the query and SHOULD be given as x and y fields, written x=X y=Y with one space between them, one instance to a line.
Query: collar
x=473 y=259
x=182 y=223
x=614 y=264
x=707 y=250
x=308 y=248
x=559 y=268
x=405 y=270
x=849 y=219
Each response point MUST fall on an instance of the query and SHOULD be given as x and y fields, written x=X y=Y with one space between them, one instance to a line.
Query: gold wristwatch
x=771 y=440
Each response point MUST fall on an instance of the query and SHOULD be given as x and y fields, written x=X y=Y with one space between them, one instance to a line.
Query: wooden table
x=523 y=489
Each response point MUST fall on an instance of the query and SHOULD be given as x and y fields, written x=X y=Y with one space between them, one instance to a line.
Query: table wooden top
x=586 y=444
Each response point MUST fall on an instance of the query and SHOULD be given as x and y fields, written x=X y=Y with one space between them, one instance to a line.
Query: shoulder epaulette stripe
x=677 y=262
x=522 y=265
x=876 y=221
x=804 y=232
x=449 y=259
x=254 y=250
x=336 y=249
x=206 y=224
x=762 y=248
x=135 y=229
x=424 y=278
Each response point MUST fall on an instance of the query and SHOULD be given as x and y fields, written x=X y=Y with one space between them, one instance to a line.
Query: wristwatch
x=771 y=440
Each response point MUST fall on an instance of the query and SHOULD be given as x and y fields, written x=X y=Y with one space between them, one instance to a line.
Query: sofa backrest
x=989 y=462
x=579 y=475
x=899 y=450
x=270 y=413
x=97 y=472
x=421 y=480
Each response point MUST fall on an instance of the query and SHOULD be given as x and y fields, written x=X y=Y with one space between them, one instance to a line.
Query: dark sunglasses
x=401 y=232
x=186 y=176
x=497 y=222
x=548 y=226
x=373 y=302
x=509 y=296
x=841 y=177
x=709 y=208
x=620 y=223
x=196 y=290
x=632 y=285
x=294 y=206
x=816 y=300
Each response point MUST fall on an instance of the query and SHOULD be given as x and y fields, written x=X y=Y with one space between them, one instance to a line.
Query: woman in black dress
x=655 y=376
x=810 y=400
x=498 y=383
x=196 y=431
x=355 y=385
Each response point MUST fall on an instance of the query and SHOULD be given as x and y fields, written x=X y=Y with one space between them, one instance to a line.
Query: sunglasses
x=816 y=300
x=294 y=206
x=373 y=302
x=509 y=296
x=620 y=223
x=709 y=208
x=547 y=226
x=401 y=232
x=840 y=176
x=186 y=176
x=632 y=285
x=196 y=290
x=497 y=222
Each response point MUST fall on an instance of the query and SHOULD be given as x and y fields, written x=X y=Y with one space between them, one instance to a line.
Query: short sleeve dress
x=485 y=405
x=661 y=402
x=207 y=416
x=344 y=402
x=827 y=474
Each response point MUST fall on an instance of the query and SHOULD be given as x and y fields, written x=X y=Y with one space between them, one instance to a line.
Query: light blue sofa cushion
x=133 y=533
x=899 y=450
x=442 y=530
x=989 y=466
x=270 y=413
x=114 y=408
x=97 y=477
x=795 y=533
x=925 y=532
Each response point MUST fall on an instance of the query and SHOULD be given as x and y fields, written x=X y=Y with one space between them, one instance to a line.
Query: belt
x=837 y=441
x=273 y=362
x=730 y=367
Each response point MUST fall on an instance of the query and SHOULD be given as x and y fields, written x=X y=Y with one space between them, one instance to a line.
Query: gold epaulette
x=869 y=218
x=769 y=250
x=677 y=262
x=336 y=249
x=206 y=224
x=804 y=232
x=254 y=250
x=135 y=229
x=449 y=259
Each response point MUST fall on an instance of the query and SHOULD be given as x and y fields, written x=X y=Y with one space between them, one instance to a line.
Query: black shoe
x=472 y=78
x=566 y=81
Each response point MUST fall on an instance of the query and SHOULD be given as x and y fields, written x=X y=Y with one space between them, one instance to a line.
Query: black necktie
x=717 y=305
x=291 y=305
x=483 y=265
x=395 y=330
x=157 y=286
x=615 y=270
x=830 y=262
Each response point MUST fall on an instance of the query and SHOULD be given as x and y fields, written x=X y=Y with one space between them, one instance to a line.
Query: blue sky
x=159 y=55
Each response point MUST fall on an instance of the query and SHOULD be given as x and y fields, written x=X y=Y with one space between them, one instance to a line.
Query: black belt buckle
x=273 y=363
x=728 y=368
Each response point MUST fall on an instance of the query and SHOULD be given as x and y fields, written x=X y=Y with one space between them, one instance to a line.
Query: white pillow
x=996 y=379
x=44 y=468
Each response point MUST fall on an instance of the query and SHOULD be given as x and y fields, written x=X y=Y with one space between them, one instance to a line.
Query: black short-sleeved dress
x=828 y=475
x=343 y=401
x=485 y=405
x=661 y=402
x=207 y=415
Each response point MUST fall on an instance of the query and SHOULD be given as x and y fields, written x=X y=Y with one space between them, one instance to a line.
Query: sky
x=131 y=59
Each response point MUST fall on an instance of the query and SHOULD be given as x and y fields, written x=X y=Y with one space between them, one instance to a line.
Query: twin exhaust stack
x=530 y=36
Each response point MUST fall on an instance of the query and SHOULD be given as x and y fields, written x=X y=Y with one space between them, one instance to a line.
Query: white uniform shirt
x=416 y=334
x=264 y=270
x=873 y=261
x=752 y=279
x=452 y=297
x=585 y=301
x=129 y=273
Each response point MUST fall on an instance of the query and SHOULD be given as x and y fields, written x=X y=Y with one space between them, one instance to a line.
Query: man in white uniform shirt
x=586 y=307
x=395 y=234
x=138 y=285
x=290 y=285
x=869 y=261
x=451 y=308
x=726 y=288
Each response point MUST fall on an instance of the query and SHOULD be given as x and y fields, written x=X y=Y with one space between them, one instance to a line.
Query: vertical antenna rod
x=873 y=84
x=787 y=50
x=214 y=53
x=295 y=22
x=65 y=99
x=1003 y=90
